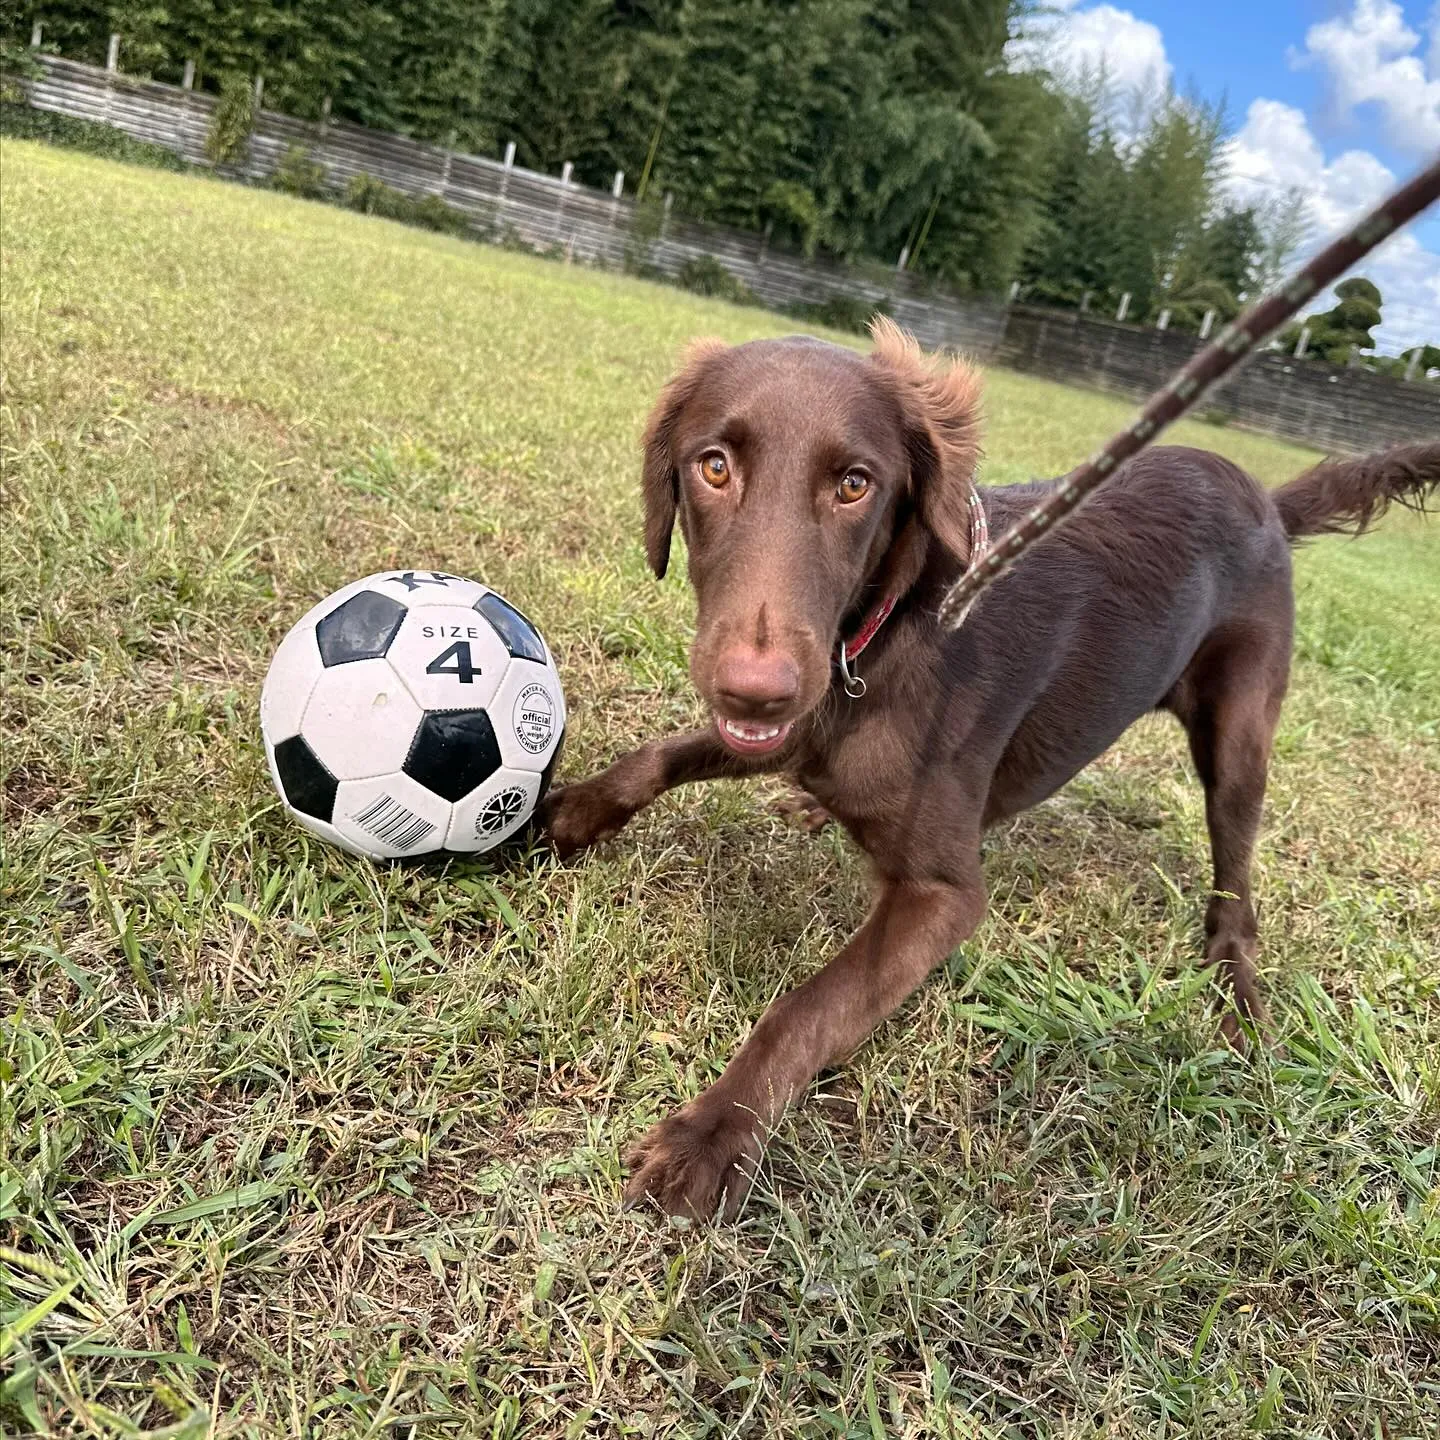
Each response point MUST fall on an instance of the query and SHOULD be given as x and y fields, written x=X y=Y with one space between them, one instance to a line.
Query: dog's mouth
x=745 y=738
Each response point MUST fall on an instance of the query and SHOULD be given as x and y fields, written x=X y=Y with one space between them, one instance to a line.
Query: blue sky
x=1338 y=98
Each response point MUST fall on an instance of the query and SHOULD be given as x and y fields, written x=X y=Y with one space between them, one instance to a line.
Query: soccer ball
x=412 y=712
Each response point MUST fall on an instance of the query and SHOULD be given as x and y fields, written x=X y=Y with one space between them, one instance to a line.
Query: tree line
x=866 y=130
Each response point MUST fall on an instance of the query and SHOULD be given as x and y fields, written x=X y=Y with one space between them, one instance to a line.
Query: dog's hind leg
x=801 y=808
x=1229 y=702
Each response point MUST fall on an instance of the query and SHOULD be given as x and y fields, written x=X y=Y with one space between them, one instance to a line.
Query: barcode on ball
x=387 y=819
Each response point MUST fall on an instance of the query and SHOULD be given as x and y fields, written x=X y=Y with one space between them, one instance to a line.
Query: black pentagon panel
x=521 y=638
x=453 y=752
x=360 y=629
x=548 y=773
x=308 y=785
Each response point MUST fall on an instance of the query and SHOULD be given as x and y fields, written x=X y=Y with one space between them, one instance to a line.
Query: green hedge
x=23 y=123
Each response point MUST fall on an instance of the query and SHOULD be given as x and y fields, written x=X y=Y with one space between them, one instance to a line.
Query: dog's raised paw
x=576 y=816
x=697 y=1162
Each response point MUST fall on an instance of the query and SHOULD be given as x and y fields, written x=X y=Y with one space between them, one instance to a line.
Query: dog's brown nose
x=755 y=684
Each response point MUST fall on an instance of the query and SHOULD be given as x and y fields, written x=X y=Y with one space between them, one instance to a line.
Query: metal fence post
x=182 y=111
x=112 y=64
x=504 y=185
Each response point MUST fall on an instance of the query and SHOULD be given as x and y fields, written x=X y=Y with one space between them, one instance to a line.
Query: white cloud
x=1129 y=50
x=1275 y=151
x=1372 y=57
x=1369 y=57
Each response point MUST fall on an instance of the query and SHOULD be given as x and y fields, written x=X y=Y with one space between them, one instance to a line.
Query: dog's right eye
x=714 y=470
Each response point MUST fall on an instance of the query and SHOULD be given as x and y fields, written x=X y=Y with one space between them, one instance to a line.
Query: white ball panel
x=449 y=658
x=275 y=773
x=360 y=719
x=389 y=816
x=288 y=684
x=528 y=713
x=416 y=593
x=423 y=589
x=494 y=811
x=328 y=833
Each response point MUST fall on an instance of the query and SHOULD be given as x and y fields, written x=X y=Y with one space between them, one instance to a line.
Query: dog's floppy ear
x=941 y=406
x=659 y=479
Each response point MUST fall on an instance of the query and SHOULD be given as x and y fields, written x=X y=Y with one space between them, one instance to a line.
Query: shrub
x=705 y=275
x=228 y=139
x=17 y=65
x=374 y=197
x=646 y=223
x=22 y=123
x=842 y=312
x=300 y=173
x=434 y=214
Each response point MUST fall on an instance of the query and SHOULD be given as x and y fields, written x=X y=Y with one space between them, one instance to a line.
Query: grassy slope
x=320 y=1144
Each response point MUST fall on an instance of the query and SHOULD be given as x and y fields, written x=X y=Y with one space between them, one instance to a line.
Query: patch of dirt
x=204 y=403
x=30 y=790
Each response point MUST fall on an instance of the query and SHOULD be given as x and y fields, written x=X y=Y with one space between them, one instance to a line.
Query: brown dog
x=827 y=496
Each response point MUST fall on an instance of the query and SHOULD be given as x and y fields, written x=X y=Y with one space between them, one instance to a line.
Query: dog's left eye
x=854 y=486
x=714 y=470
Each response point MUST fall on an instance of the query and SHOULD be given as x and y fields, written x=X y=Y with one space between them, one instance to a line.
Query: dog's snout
x=755 y=684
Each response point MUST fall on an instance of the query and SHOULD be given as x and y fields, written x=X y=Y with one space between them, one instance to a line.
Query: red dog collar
x=852 y=647
x=848 y=650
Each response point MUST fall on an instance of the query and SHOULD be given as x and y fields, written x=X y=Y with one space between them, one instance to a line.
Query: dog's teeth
x=753 y=733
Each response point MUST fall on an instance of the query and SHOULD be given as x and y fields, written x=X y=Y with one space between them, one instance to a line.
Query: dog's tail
x=1348 y=496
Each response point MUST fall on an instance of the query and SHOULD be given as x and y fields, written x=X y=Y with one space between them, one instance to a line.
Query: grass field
x=291 y=1145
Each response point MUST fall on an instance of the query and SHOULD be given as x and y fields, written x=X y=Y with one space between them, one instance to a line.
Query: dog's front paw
x=575 y=816
x=686 y=1164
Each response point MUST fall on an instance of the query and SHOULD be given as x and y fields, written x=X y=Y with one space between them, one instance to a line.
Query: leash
x=1185 y=390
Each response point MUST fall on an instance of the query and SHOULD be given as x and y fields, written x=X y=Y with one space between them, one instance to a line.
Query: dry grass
x=295 y=1146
